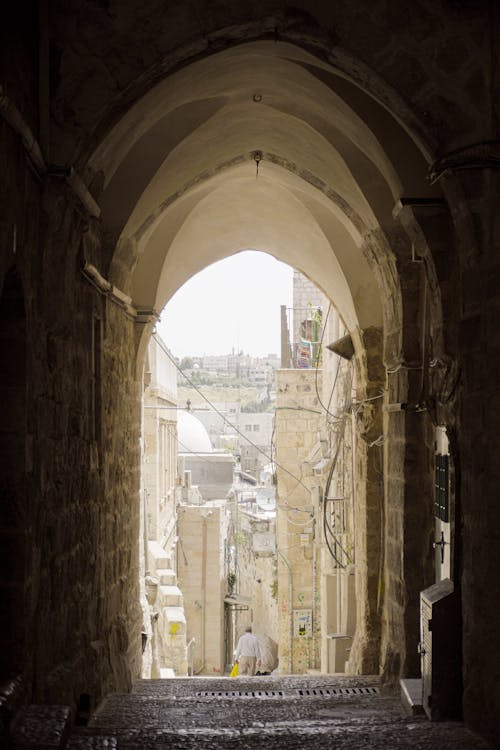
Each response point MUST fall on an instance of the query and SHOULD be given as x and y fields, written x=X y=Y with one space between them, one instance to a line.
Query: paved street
x=269 y=712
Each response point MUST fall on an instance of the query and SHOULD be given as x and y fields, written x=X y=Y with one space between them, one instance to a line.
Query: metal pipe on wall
x=12 y=115
x=203 y=590
x=290 y=596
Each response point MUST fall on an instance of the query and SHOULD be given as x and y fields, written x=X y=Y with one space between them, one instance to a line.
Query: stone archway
x=422 y=80
x=180 y=190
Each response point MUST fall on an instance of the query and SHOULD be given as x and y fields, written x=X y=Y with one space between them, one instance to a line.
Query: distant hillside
x=218 y=394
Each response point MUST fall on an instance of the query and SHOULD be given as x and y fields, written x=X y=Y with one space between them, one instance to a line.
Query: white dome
x=192 y=435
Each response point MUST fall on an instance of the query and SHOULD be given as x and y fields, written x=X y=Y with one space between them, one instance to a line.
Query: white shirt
x=248 y=645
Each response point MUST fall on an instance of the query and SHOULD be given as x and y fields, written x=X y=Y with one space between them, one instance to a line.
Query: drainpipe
x=290 y=596
x=15 y=119
x=314 y=582
x=353 y=480
x=12 y=115
x=203 y=589
x=145 y=529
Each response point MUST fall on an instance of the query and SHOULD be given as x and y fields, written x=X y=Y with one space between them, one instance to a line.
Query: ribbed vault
x=181 y=191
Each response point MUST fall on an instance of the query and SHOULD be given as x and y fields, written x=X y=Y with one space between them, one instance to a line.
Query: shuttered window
x=441 y=492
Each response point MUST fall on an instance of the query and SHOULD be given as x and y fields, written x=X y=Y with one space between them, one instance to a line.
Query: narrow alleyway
x=286 y=712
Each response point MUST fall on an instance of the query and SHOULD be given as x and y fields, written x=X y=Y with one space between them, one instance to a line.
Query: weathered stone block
x=170 y=596
x=41 y=728
x=166 y=576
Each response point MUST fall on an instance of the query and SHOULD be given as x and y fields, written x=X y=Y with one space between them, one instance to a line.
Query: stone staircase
x=167 y=607
x=323 y=712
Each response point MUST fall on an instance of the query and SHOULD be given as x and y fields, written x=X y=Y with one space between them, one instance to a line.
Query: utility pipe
x=203 y=589
x=290 y=595
x=78 y=187
x=12 y=115
x=106 y=287
x=15 y=119
x=424 y=334
x=314 y=587
x=353 y=481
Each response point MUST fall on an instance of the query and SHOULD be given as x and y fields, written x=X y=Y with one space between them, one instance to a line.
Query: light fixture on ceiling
x=257 y=97
x=257 y=157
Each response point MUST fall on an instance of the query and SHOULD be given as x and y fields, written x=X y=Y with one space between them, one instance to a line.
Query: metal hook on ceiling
x=257 y=157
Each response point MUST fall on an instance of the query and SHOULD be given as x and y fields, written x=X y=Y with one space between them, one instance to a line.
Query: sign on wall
x=302 y=623
x=264 y=542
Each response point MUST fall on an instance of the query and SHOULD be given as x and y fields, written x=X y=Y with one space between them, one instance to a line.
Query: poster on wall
x=302 y=623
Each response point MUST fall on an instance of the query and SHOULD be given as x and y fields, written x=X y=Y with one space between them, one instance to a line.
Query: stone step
x=285 y=713
x=166 y=576
x=169 y=596
x=175 y=620
x=166 y=673
x=93 y=742
x=40 y=728
x=159 y=558
x=411 y=696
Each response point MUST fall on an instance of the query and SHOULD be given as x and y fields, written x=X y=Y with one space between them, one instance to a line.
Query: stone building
x=255 y=434
x=165 y=651
x=202 y=577
x=302 y=325
x=297 y=426
x=317 y=481
x=209 y=470
x=202 y=513
x=220 y=423
x=140 y=142
x=252 y=572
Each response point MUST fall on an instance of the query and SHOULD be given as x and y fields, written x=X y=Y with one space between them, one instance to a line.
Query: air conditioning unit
x=440 y=652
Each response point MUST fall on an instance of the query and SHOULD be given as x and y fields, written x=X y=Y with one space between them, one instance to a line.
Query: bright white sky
x=232 y=303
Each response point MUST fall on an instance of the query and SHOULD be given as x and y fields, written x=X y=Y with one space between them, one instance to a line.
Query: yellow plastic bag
x=234 y=671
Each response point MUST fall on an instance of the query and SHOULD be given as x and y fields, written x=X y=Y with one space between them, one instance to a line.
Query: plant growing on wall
x=274 y=588
x=274 y=584
x=231 y=582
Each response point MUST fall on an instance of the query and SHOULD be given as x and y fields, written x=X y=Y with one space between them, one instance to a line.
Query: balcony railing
x=301 y=336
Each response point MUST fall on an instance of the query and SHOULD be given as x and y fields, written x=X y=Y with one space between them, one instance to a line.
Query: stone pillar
x=297 y=423
x=408 y=471
x=477 y=398
x=369 y=439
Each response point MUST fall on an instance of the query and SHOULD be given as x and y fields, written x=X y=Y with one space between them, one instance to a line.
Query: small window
x=441 y=493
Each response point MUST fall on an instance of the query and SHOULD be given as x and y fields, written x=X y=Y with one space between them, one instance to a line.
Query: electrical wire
x=316 y=366
x=325 y=500
x=172 y=359
x=298 y=408
x=193 y=453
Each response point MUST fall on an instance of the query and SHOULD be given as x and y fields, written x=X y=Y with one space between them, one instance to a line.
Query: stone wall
x=297 y=425
x=472 y=446
x=256 y=577
x=165 y=623
x=202 y=577
x=434 y=67
x=306 y=295
x=79 y=506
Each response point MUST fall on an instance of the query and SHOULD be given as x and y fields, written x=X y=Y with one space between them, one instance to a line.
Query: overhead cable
x=217 y=411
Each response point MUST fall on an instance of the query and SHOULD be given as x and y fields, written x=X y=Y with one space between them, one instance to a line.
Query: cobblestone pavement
x=283 y=712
